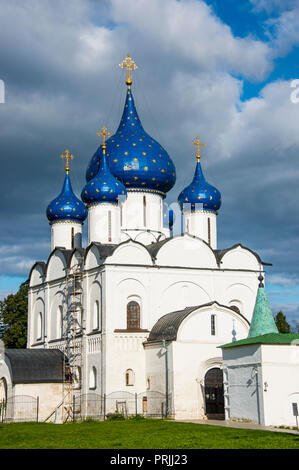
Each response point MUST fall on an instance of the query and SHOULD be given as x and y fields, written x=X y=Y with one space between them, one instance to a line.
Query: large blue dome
x=200 y=195
x=66 y=207
x=135 y=158
x=104 y=187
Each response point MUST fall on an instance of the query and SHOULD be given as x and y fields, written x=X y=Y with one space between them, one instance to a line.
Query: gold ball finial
x=67 y=157
x=198 y=144
x=130 y=65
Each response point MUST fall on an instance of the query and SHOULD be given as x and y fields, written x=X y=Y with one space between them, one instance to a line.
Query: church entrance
x=214 y=394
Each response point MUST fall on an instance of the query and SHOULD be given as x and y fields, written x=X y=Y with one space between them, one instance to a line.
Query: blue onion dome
x=66 y=207
x=200 y=192
x=135 y=158
x=104 y=187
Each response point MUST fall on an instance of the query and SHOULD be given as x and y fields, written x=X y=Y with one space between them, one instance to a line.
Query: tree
x=13 y=314
x=281 y=323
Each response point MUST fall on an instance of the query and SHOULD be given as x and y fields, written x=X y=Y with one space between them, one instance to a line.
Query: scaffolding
x=73 y=329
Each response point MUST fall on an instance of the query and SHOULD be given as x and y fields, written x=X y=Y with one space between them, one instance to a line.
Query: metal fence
x=148 y=404
x=152 y=404
x=19 y=408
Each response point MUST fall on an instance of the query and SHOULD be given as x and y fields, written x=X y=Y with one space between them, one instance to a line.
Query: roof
x=36 y=365
x=166 y=328
x=220 y=253
x=270 y=338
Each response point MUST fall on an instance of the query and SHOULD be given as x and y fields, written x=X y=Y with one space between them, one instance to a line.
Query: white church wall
x=237 y=288
x=50 y=395
x=55 y=319
x=56 y=265
x=94 y=312
x=66 y=235
x=130 y=253
x=186 y=251
x=280 y=368
x=125 y=351
x=240 y=258
x=36 y=276
x=245 y=379
x=202 y=225
x=93 y=258
x=196 y=345
x=142 y=210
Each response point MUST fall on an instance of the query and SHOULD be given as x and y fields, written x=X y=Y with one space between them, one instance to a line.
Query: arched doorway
x=214 y=397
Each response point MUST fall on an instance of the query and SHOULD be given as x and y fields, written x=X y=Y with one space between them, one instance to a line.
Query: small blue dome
x=104 y=187
x=200 y=192
x=66 y=206
x=135 y=158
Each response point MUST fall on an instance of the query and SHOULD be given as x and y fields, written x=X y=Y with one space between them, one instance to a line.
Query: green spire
x=262 y=319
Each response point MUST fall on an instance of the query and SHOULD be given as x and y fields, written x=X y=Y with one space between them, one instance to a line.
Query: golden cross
x=104 y=133
x=129 y=63
x=198 y=144
x=67 y=157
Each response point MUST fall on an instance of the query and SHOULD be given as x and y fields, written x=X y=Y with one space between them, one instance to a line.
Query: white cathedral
x=145 y=307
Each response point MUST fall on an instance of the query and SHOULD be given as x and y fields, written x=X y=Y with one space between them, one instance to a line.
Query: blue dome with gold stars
x=66 y=207
x=200 y=192
x=104 y=187
x=135 y=158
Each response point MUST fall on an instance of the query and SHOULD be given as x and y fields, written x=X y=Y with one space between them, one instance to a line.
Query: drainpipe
x=164 y=346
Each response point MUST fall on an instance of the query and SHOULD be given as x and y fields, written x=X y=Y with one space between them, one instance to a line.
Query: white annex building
x=139 y=312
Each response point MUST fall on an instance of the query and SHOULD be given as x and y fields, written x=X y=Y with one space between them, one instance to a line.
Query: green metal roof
x=270 y=338
x=262 y=322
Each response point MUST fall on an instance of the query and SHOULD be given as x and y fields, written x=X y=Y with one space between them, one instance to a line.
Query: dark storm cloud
x=60 y=67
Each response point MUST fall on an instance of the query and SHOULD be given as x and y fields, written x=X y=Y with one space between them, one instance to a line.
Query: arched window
x=60 y=322
x=93 y=378
x=39 y=329
x=209 y=231
x=129 y=377
x=133 y=316
x=235 y=308
x=96 y=316
x=213 y=324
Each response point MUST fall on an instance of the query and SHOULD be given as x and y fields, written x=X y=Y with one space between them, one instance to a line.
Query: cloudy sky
x=221 y=69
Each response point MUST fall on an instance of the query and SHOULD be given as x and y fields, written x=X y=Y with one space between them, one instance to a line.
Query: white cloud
x=189 y=30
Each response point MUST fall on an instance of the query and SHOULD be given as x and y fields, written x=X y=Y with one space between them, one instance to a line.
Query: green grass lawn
x=139 y=434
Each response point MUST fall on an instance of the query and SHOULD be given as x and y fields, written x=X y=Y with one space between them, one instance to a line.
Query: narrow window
x=39 y=326
x=187 y=225
x=133 y=316
x=129 y=377
x=109 y=226
x=93 y=378
x=60 y=322
x=96 y=315
x=73 y=237
x=209 y=231
x=144 y=211
x=213 y=325
x=121 y=214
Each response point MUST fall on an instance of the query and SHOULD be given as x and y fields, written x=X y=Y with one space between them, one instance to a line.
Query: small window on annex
x=93 y=378
x=133 y=315
x=129 y=377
